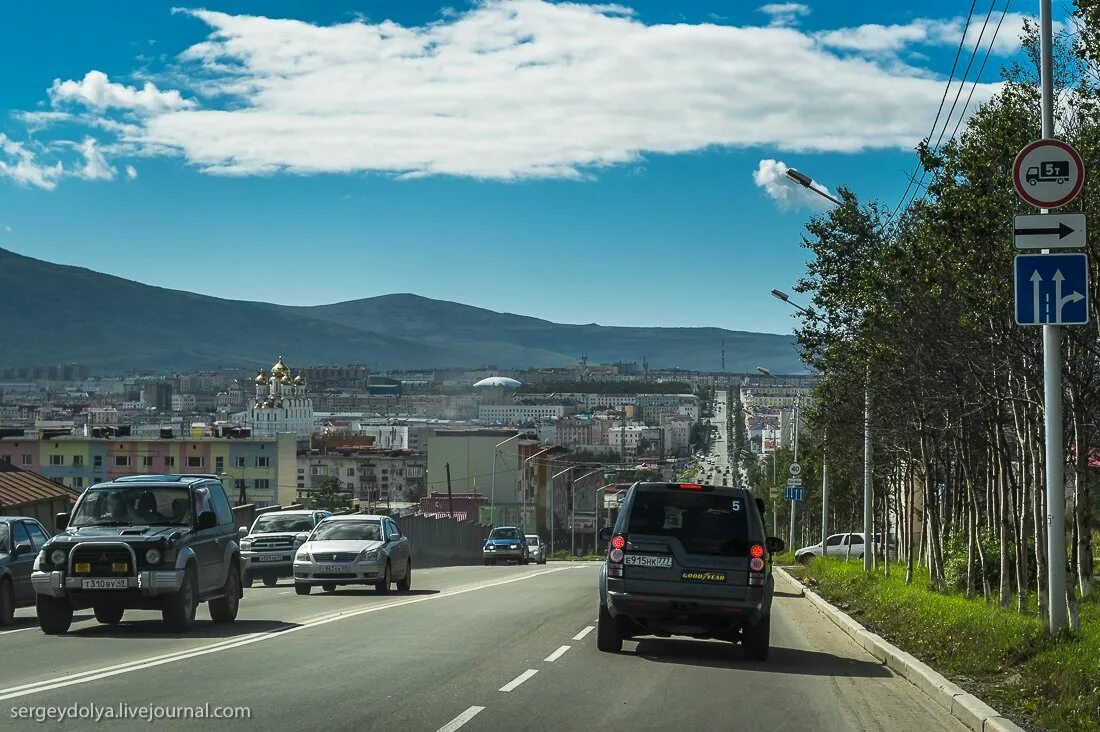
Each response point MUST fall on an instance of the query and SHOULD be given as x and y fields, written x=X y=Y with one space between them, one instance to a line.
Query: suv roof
x=161 y=479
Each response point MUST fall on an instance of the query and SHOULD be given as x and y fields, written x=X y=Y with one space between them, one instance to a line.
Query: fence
x=437 y=542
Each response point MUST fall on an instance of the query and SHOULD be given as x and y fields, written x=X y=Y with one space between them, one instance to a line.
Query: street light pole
x=552 y=505
x=493 y=483
x=527 y=486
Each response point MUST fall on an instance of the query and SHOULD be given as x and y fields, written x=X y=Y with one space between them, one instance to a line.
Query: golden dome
x=260 y=378
x=299 y=380
x=279 y=370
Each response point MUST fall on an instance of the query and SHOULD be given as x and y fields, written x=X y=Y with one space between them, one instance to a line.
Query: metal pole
x=867 y=477
x=824 y=490
x=1052 y=377
x=794 y=504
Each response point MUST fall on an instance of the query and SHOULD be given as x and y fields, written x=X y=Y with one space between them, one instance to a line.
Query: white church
x=281 y=404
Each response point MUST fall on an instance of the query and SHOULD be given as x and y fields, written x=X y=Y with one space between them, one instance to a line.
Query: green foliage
x=329 y=496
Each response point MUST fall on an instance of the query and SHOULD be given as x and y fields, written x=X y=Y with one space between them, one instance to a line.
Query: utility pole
x=824 y=489
x=868 y=476
x=794 y=503
x=450 y=498
x=1052 y=374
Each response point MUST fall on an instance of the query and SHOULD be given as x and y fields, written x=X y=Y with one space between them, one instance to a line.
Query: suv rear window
x=704 y=523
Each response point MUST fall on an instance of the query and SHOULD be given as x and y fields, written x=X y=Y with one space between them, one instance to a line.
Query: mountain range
x=52 y=313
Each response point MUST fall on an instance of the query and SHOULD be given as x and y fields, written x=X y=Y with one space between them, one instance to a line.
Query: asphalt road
x=476 y=648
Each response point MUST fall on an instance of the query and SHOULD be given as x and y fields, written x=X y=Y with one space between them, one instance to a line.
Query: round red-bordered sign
x=1048 y=173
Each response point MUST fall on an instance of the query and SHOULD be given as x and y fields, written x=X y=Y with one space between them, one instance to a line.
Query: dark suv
x=687 y=559
x=148 y=542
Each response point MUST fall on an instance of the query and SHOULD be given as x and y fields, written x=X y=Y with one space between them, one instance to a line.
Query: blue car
x=505 y=544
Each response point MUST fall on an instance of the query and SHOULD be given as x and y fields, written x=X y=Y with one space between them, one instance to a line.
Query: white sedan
x=354 y=549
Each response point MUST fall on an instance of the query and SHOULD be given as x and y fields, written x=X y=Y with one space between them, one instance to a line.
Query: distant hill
x=52 y=313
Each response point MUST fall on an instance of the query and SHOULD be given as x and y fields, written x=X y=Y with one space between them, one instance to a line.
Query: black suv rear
x=687 y=559
x=151 y=542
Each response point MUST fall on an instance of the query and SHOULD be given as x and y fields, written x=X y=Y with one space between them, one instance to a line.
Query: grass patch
x=1008 y=656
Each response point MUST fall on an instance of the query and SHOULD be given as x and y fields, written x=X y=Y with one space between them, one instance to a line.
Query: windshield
x=505 y=534
x=289 y=524
x=133 y=506
x=532 y=541
x=704 y=523
x=348 y=531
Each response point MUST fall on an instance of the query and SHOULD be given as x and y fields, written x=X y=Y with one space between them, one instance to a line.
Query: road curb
x=965 y=707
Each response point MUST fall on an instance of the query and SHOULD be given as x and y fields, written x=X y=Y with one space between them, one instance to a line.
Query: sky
x=619 y=164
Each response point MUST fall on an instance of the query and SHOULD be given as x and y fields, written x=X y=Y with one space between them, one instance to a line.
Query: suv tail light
x=615 y=556
x=756 y=565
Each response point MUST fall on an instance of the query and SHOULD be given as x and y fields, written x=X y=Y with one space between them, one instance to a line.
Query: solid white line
x=285 y=593
x=461 y=719
x=225 y=645
x=18 y=630
x=519 y=679
x=557 y=654
x=587 y=629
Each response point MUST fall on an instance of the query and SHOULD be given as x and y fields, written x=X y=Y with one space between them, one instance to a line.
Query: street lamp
x=573 y=510
x=797 y=419
x=526 y=485
x=493 y=484
x=552 y=505
x=807 y=182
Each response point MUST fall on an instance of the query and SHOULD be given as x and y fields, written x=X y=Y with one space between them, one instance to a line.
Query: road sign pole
x=824 y=489
x=1052 y=376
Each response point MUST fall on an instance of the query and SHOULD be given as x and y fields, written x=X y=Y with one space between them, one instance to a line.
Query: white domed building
x=281 y=404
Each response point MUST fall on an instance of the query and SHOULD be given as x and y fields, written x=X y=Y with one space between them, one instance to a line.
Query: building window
x=315 y=470
x=5 y=459
x=219 y=465
x=193 y=461
x=239 y=462
x=263 y=462
x=123 y=461
x=97 y=461
x=262 y=484
x=351 y=472
x=146 y=461
x=57 y=459
x=78 y=460
x=170 y=461
x=28 y=460
x=78 y=482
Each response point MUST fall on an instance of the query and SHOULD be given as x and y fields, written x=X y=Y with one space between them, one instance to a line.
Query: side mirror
x=207 y=520
x=606 y=533
x=301 y=538
x=61 y=521
x=23 y=549
x=393 y=537
x=242 y=531
x=775 y=544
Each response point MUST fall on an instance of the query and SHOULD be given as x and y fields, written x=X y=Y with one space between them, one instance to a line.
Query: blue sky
x=574 y=163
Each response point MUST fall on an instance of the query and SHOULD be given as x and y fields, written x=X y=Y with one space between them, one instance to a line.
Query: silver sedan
x=354 y=550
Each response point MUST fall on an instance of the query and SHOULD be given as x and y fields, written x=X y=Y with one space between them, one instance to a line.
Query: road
x=481 y=648
x=717 y=462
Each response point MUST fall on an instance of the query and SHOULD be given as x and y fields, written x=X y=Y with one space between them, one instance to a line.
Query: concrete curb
x=967 y=708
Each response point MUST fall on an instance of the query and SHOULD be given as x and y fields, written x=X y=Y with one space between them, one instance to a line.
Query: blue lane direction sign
x=1052 y=289
x=794 y=493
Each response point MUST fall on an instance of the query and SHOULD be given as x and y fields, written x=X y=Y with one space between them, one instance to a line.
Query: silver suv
x=267 y=549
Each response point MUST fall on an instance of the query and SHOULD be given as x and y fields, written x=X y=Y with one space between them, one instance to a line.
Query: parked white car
x=836 y=545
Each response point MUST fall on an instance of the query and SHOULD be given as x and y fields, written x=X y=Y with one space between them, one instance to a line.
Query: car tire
x=488 y=562
x=300 y=588
x=329 y=587
x=270 y=580
x=756 y=639
x=108 y=615
x=7 y=602
x=246 y=580
x=804 y=558
x=55 y=615
x=608 y=637
x=180 y=606
x=405 y=583
x=383 y=587
x=225 y=608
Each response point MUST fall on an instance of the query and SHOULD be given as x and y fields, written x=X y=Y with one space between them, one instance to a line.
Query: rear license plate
x=104 y=584
x=334 y=568
x=271 y=558
x=643 y=560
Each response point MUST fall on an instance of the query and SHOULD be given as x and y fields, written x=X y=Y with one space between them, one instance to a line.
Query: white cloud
x=97 y=91
x=873 y=38
x=771 y=175
x=131 y=172
x=784 y=14
x=95 y=165
x=509 y=89
x=20 y=164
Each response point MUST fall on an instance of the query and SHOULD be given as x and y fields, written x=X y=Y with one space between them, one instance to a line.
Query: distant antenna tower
x=723 y=355
x=645 y=367
x=584 y=360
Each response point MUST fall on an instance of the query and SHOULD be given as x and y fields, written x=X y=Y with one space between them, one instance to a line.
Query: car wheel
x=7 y=602
x=301 y=588
x=804 y=558
x=224 y=609
x=488 y=562
x=756 y=640
x=383 y=587
x=179 y=609
x=109 y=615
x=405 y=583
x=270 y=580
x=608 y=637
x=55 y=615
x=329 y=587
x=246 y=581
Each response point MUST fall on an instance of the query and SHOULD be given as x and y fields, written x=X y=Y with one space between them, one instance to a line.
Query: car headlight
x=488 y=547
x=57 y=556
x=303 y=557
x=246 y=544
x=152 y=556
x=371 y=555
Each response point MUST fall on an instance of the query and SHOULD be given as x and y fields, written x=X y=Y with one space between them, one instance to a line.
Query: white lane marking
x=284 y=593
x=587 y=629
x=18 y=630
x=519 y=679
x=557 y=654
x=123 y=668
x=461 y=719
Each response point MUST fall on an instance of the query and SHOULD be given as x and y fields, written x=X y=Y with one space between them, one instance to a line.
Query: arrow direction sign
x=1052 y=289
x=794 y=493
x=1049 y=231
